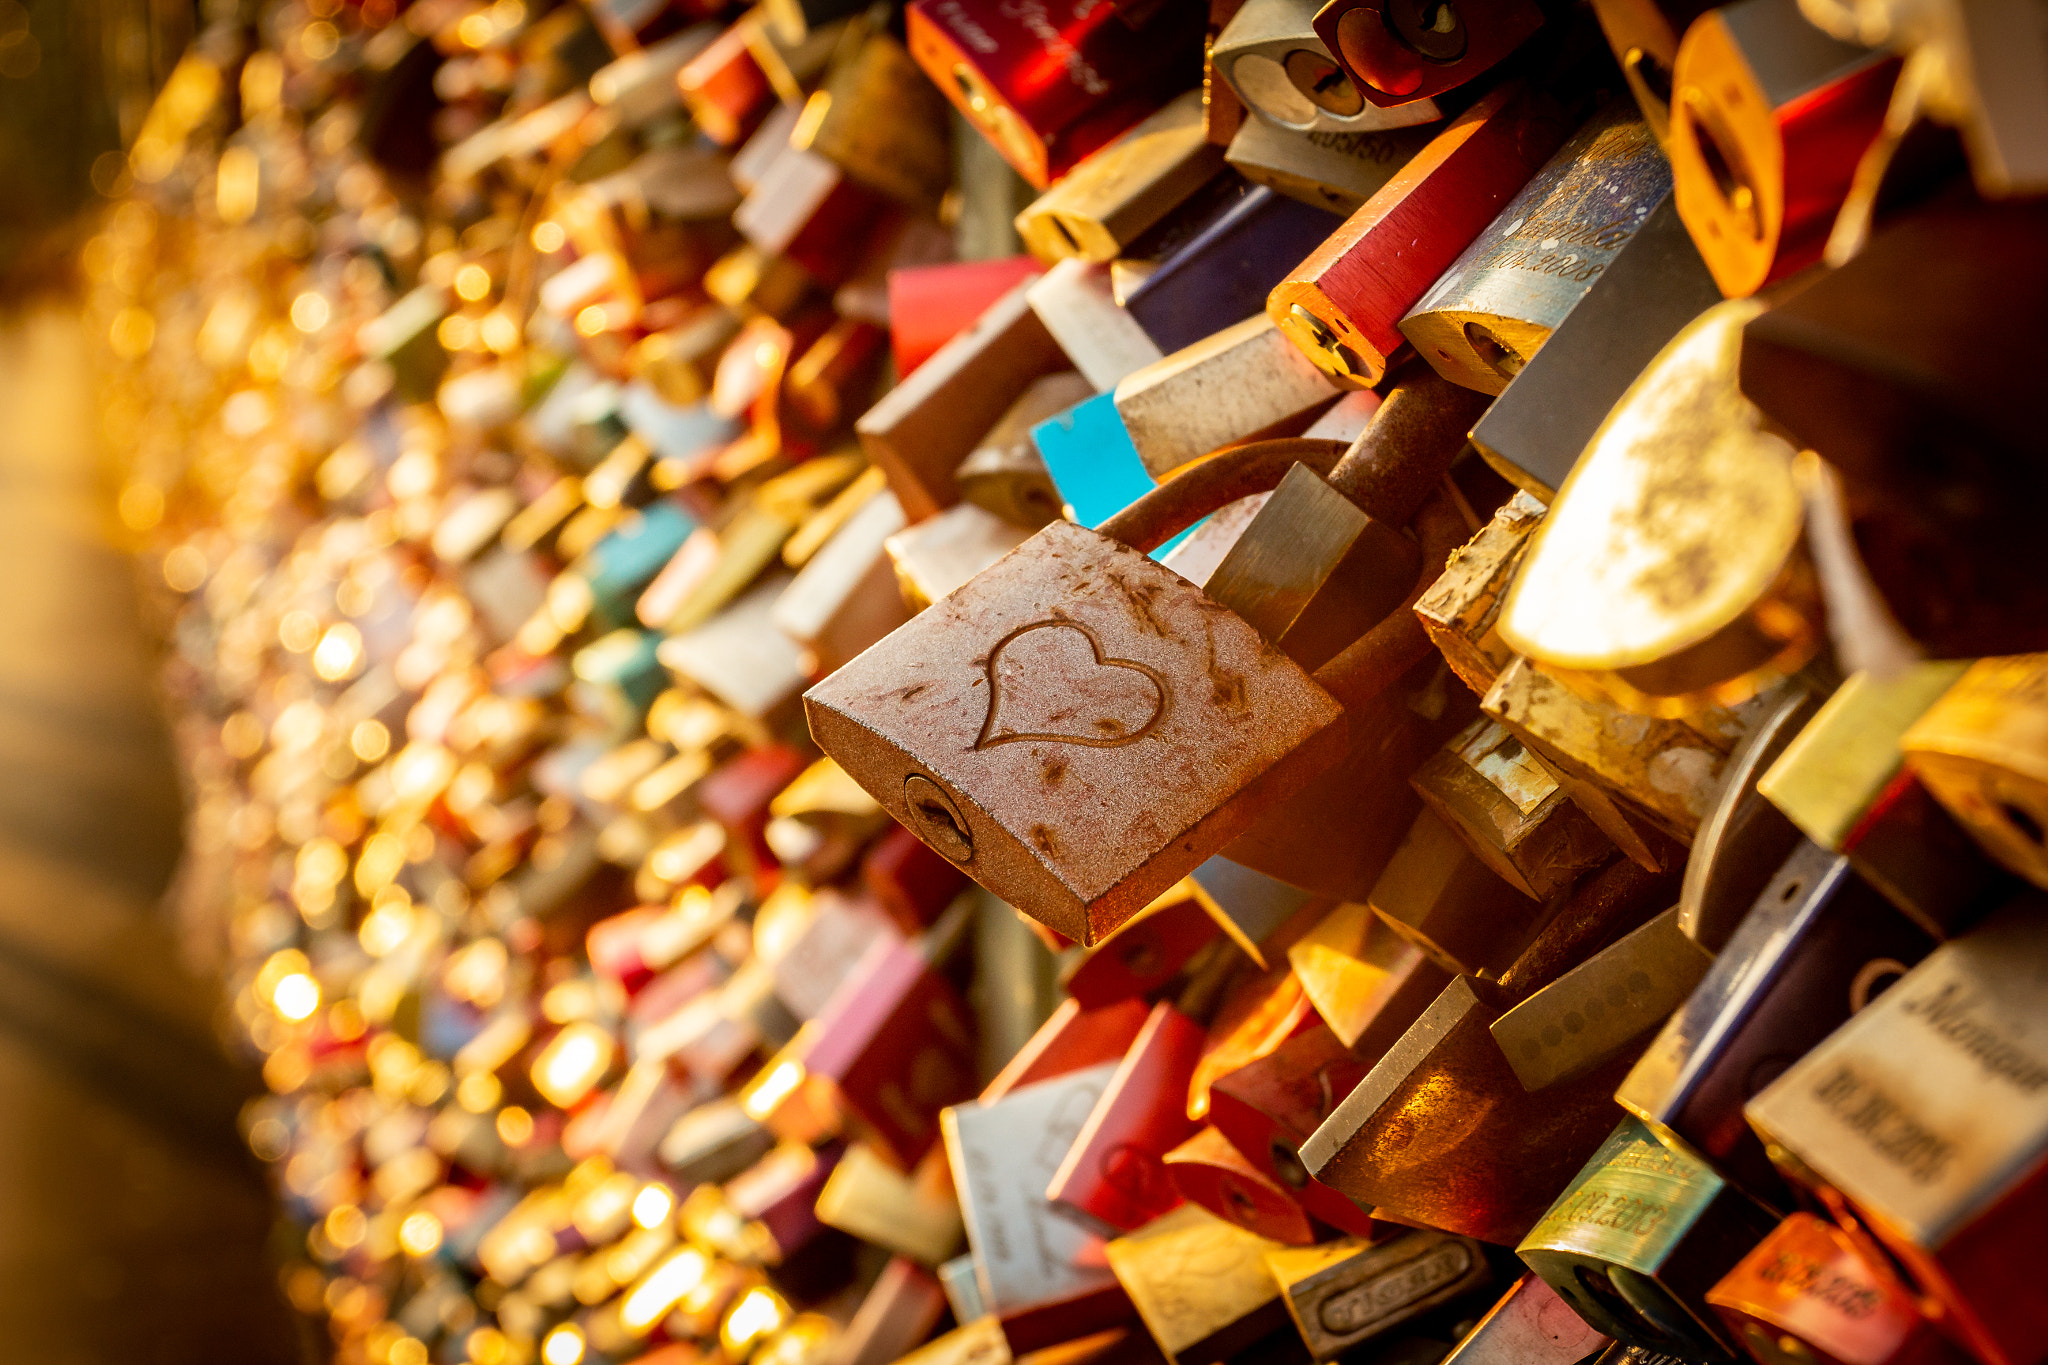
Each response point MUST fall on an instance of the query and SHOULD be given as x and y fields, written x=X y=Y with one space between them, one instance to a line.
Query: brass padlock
x=1510 y=810
x=1106 y=202
x=1671 y=573
x=1608 y=1005
x=1405 y=1141
x=1347 y=1293
x=880 y=120
x=1200 y=1286
x=1054 y=726
x=1440 y=896
x=1638 y=1239
x=1982 y=749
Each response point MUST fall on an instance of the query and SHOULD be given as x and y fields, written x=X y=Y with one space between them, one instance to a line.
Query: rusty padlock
x=1079 y=727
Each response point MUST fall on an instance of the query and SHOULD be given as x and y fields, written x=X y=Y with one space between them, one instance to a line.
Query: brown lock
x=1079 y=727
x=1510 y=810
x=1441 y=1132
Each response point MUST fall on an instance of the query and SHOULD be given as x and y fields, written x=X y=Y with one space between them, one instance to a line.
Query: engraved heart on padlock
x=1049 y=681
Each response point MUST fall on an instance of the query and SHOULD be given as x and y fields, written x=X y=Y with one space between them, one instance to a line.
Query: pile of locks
x=1091 y=680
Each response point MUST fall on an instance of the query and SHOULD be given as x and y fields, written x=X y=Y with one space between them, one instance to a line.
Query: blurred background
x=133 y=1221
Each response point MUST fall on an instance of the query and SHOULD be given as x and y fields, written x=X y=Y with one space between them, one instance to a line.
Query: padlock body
x=1077 y=727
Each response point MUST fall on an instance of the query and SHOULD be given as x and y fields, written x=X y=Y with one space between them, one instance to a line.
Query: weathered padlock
x=1656 y=502
x=1510 y=810
x=1054 y=726
x=1654 y=285
x=1200 y=1286
x=1406 y=1141
x=1639 y=1237
x=1497 y=305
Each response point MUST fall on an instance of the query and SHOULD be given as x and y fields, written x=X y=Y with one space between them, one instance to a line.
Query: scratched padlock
x=1079 y=727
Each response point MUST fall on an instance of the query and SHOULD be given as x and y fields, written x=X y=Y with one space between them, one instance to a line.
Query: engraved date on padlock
x=1076 y=727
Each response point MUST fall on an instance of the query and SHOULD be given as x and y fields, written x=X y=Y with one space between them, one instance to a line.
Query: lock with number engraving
x=1499 y=302
x=1639 y=1238
x=1079 y=728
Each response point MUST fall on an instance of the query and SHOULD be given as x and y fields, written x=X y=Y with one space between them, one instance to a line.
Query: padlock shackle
x=1376 y=659
x=1387 y=472
x=1214 y=483
x=1409 y=446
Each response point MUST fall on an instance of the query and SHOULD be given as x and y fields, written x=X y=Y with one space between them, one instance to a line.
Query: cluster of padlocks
x=1083 y=681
